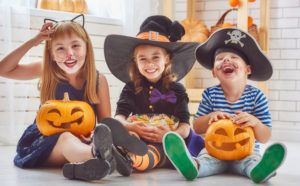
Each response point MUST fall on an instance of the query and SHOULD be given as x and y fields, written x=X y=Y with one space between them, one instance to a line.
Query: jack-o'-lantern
x=57 y=116
x=226 y=140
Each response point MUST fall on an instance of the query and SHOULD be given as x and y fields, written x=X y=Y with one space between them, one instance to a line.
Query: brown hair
x=136 y=76
x=52 y=74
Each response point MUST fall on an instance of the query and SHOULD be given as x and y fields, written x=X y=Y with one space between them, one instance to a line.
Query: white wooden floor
x=287 y=175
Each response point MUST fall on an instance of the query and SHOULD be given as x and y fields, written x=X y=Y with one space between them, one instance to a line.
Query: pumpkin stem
x=66 y=97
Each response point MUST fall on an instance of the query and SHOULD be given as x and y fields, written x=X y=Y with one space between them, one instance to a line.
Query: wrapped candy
x=156 y=120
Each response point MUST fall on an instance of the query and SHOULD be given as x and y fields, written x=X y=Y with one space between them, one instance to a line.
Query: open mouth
x=150 y=71
x=66 y=125
x=229 y=146
x=228 y=68
x=70 y=64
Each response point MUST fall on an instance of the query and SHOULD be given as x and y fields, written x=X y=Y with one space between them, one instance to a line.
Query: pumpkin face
x=228 y=141
x=57 y=116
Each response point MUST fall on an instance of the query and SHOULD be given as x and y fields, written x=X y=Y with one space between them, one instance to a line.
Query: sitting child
x=233 y=55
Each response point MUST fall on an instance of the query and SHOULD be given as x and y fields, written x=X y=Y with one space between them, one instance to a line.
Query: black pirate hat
x=244 y=44
x=157 y=31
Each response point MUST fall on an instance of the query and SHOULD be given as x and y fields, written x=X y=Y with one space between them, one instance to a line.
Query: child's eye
x=75 y=46
x=60 y=48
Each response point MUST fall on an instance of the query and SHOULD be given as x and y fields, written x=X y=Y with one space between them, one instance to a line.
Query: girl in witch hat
x=151 y=64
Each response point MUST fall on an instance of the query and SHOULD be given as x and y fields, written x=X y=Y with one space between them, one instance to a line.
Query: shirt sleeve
x=205 y=106
x=125 y=103
x=181 y=109
x=261 y=109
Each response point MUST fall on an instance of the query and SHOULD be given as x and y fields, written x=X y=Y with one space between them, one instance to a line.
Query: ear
x=79 y=19
x=213 y=72
x=167 y=57
x=248 y=70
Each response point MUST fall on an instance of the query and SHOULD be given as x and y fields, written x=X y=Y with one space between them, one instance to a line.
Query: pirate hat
x=158 y=31
x=239 y=41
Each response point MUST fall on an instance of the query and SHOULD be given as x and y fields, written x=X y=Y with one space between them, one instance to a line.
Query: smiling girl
x=151 y=64
x=68 y=66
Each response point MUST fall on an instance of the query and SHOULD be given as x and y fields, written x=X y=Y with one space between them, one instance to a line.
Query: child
x=68 y=66
x=149 y=65
x=233 y=55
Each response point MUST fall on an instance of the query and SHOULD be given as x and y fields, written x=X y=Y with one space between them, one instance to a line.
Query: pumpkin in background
x=57 y=116
x=226 y=140
x=195 y=31
x=76 y=6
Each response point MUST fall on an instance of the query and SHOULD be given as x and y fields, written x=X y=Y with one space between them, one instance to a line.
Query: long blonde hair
x=136 y=76
x=52 y=74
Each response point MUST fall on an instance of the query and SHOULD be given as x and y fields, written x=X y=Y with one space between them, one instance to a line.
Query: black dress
x=34 y=148
x=130 y=104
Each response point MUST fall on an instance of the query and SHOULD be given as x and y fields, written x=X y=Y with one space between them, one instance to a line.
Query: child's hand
x=44 y=33
x=245 y=119
x=215 y=116
x=87 y=139
x=141 y=128
x=157 y=135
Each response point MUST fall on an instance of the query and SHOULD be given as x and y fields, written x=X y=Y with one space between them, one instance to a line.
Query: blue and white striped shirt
x=253 y=101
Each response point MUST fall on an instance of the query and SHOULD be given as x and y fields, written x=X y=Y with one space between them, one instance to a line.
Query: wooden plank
x=168 y=8
x=243 y=15
x=264 y=36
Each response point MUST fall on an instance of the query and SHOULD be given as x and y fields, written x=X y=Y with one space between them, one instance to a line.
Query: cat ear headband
x=78 y=19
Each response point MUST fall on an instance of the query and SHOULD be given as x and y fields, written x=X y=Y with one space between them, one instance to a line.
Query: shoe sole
x=103 y=144
x=121 y=137
x=123 y=167
x=178 y=154
x=93 y=169
x=272 y=159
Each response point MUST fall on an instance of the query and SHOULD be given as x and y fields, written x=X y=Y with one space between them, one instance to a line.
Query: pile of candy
x=155 y=120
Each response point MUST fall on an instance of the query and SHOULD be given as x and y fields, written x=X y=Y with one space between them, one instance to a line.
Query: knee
x=66 y=136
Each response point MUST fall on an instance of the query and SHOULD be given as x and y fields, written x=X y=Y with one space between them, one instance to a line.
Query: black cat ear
x=46 y=20
x=79 y=19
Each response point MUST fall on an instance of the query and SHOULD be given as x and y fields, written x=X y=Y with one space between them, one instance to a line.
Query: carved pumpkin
x=57 y=116
x=228 y=141
x=195 y=31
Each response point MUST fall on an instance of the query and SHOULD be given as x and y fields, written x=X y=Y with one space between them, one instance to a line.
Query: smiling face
x=151 y=61
x=69 y=53
x=229 y=66
x=228 y=141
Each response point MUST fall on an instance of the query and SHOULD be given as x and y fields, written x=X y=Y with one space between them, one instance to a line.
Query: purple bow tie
x=156 y=96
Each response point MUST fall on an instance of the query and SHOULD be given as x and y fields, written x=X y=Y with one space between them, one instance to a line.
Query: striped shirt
x=253 y=101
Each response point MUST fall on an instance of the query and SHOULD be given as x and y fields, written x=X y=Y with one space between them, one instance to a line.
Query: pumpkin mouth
x=66 y=125
x=229 y=146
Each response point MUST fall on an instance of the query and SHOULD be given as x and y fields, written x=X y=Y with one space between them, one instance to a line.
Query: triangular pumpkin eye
x=76 y=109
x=54 y=111
x=238 y=131
x=221 y=132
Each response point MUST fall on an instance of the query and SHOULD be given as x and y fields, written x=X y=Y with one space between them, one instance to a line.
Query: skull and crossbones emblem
x=235 y=37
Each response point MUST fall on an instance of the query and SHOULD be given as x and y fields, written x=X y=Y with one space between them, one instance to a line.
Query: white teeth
x=151 y=71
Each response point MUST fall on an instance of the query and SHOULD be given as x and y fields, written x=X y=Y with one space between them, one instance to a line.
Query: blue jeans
x=208 y=165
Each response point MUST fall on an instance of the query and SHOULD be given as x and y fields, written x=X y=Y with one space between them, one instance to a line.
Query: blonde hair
x=52 y=74
x=136 y=76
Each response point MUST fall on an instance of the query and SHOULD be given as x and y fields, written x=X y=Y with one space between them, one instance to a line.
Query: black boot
x=124 y=163
x=122 y=138
x=103 y=162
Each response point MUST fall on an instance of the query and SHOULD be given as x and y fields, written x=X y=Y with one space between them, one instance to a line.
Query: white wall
x=24 y=107
x=284 y=53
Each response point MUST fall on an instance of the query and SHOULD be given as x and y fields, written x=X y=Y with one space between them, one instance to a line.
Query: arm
x=10 y=67
x=201 y=123
x=104 y=107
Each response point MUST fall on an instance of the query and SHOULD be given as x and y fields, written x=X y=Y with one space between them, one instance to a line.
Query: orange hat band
x=154 y=36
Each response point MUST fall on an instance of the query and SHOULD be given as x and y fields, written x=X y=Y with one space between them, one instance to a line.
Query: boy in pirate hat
x=233 y=56
x=150 y=64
